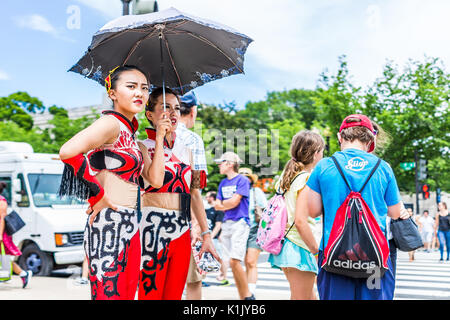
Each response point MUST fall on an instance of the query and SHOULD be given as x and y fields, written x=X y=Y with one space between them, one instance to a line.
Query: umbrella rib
x=137 y=45
x=214 y=46
x=173 y=65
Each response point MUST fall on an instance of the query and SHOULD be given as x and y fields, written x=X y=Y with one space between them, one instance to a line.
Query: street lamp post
x=126 y=7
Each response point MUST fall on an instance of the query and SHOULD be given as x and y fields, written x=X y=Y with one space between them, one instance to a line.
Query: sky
x=294 y=42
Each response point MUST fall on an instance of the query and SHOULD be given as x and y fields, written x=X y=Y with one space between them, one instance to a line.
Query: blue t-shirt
x=380 y=192
x=227 y=188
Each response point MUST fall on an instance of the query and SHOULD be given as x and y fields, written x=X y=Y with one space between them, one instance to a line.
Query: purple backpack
x=272 y=226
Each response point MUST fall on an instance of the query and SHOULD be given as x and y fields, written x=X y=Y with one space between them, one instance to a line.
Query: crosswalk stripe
x=422 y=279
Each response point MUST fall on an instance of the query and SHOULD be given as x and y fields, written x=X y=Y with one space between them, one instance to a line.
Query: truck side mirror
x=16 y=190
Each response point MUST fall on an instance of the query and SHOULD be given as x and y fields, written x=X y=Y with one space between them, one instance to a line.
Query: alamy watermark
x=73 y=21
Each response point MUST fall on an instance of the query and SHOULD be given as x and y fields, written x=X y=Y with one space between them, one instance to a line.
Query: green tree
x=17 y=108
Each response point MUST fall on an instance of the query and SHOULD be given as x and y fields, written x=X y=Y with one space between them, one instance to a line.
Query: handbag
x=5 y=265
x=406 y=234
x=206 y=263
x=13 y=223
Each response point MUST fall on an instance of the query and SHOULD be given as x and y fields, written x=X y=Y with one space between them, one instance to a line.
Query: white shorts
x=234 y=238
x=427 y=236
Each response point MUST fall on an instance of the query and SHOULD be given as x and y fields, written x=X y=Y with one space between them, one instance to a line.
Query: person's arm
x=436 y=224
x=198 y=210
x=154 y=168
x=301 y=221
x=102 y=131
x=314 y=200
x=392 y=196
x=394 y=211
x=3 y=207
x=228 y=204
x=216 y=229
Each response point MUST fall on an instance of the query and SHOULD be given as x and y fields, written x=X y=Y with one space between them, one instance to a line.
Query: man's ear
x=339 y=138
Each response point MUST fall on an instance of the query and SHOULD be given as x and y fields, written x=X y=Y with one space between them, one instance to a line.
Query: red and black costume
x=164 y=227
x=112 y=242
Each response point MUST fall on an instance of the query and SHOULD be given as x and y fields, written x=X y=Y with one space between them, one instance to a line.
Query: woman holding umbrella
x=165 y=223
x=103 y=164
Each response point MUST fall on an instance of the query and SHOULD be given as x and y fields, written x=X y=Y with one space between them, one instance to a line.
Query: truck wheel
x=39 y=262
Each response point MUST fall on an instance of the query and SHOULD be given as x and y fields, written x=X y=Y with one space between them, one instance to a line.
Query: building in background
x=41 y=120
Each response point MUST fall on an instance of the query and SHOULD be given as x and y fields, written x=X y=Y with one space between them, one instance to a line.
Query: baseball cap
x=229 y=156
x=189 y=100
x=249 y=173
x=364 y=121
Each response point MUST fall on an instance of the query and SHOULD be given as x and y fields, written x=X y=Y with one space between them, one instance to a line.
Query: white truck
x=53 y=235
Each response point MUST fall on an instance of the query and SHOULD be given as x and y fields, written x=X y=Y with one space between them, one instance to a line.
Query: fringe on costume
x=185 y=206
x=73 y=186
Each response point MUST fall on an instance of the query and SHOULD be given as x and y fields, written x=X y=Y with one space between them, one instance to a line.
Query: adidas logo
x=354 y=265
x=355 y=259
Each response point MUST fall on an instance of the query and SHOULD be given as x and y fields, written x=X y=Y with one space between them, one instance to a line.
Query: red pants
x=113 y=250
x=165 y=277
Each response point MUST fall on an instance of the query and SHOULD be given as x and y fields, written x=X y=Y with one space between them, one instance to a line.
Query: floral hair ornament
x=108 y=79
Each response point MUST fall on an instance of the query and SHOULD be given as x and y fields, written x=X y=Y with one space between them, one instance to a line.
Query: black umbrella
x=174 y=49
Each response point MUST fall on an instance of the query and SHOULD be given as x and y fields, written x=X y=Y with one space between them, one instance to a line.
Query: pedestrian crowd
x=147 y=214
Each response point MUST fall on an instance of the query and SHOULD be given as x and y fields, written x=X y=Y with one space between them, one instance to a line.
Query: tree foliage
x=410 y=104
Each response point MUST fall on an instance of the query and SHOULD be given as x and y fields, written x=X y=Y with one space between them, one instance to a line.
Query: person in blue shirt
x=326 y=191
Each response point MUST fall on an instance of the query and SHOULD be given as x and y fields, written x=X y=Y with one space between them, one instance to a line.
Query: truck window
x=25 y=202
x=7 y=191
x=44 y=190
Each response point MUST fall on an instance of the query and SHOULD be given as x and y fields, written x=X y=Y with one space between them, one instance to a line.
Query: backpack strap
x=282 y=193
x=343 y=176
x=341 y=172
x=294 y=215
x=371 y=174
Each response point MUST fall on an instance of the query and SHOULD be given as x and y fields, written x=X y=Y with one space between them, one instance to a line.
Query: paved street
x=424 y=279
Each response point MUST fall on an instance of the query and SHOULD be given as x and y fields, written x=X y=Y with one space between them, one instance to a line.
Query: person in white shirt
x=426 y=229
x=188 y=110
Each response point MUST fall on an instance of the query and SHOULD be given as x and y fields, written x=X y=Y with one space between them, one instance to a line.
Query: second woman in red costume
x=166 y=206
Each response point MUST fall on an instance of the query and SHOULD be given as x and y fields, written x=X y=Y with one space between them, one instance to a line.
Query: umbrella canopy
x=191 y=50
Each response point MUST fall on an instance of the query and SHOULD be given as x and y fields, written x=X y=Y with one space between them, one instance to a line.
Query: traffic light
x=422 y=169
x=425 y=191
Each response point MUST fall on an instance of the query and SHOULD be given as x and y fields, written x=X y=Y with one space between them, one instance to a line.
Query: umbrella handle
x=161 y=28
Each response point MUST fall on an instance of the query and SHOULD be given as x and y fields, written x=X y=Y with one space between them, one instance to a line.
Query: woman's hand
x=163 y=125
x=208 y=246
x=99 y=206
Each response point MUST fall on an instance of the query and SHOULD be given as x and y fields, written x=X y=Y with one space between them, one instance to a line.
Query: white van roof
x=15 y=147
x=23 y=152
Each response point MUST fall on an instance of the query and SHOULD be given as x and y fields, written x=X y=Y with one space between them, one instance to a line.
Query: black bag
x=406 y=234
x=13 y=223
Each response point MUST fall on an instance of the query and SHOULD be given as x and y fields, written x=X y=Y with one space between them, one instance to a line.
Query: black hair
x=116 y=74
x=185 y=109
x=155 y=94
x=212 y=194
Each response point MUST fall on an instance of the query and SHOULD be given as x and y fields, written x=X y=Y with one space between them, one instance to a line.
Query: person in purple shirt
x=232 y=198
